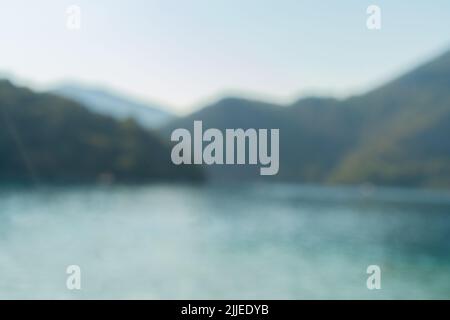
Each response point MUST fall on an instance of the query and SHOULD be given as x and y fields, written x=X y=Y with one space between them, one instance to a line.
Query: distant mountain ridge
x=397 y=134
x=104 y=101
x=45 y=138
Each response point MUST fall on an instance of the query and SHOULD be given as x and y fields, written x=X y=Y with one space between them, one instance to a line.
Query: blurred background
x=91 y=91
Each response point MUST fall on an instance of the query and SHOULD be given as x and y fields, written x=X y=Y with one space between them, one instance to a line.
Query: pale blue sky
x=184 y=53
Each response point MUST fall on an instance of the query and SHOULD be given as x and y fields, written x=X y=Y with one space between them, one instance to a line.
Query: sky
x=185 y=53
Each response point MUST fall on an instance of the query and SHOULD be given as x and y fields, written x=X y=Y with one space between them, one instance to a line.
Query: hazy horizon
x=211 y=99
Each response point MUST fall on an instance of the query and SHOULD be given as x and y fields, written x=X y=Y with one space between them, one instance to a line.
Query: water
x=223 y=242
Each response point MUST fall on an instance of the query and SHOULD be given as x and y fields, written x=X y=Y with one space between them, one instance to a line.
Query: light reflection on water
x=214 y=242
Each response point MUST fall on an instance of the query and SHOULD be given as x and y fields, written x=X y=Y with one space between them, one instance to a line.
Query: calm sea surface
x=220 y=242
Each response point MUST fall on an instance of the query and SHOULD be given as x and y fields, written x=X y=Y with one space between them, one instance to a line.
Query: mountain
x=312 y=137
x=396 y=134
x=49 y=139
x=105 y=102
x=406 y=128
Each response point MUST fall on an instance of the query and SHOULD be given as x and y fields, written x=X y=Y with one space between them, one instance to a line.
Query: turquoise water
x=223 y=242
